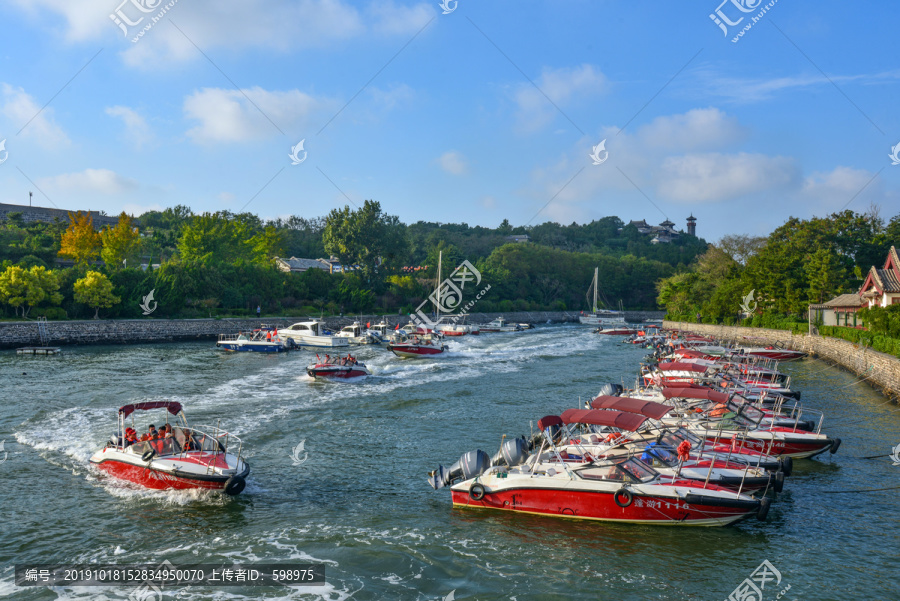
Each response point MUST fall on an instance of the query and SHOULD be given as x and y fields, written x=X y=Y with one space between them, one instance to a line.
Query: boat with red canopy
x=180 y=456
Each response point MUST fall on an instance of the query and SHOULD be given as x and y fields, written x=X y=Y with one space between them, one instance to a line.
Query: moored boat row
x=707 y=439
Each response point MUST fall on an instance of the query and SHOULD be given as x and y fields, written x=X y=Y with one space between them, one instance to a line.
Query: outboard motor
x=514 y=451
x=610 y=389
x=474 y=463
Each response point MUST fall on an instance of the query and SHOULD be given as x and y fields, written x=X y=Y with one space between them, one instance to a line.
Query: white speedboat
x=356 y=335
x=311 y=333
x=501 y=325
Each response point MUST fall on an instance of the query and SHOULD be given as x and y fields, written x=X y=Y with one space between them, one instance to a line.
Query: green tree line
x=223 y=264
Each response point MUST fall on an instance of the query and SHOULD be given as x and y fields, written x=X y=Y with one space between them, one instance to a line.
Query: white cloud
x=832 y=190
x=697 y=129
x=20 y=108
x=561 y=86
x=668 y=159
x=277 y=24
x=744 y=90
x=390 y=19
x=716 y=177
x=453 y=163
x=95 y=181
x=228 y=115
x=136 y=127
x=488 y=202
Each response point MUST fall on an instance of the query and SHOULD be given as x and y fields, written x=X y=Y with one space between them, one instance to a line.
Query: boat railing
x=233 y=337
x=223 y=441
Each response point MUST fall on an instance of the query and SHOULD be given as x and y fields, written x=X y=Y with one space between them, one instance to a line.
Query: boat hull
x=411 y=351
x=149 y=477
x=252 y=347
x=595 y=505
x=337 y=372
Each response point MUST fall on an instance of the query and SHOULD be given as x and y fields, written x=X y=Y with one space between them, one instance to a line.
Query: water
x=360 y=504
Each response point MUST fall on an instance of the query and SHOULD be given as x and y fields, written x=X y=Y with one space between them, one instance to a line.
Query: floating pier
x=38 y=350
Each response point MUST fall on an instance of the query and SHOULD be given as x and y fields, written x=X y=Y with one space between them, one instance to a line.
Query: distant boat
x=311 y=333
x=600 y=317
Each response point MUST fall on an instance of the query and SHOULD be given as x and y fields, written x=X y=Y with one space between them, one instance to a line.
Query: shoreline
x=14 y=334
x=880 y=370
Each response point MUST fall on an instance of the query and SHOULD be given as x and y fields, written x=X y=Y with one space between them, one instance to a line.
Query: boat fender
x=147 y=456
x=477 y=492
x=628 y=497
x=234 y=485
x=787 y=465
x=779 y=481
x=763 y=510
x=835 y=445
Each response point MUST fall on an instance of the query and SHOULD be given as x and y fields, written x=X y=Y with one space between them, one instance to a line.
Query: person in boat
x=327 y=358
x=152 y=434
x=130 y=437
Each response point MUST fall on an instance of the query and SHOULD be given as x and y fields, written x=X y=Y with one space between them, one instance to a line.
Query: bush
x=884 y=344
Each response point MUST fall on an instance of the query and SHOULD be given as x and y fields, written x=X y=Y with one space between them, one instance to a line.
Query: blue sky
x=488 y=112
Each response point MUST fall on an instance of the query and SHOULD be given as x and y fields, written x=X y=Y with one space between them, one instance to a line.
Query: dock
x=38 y=350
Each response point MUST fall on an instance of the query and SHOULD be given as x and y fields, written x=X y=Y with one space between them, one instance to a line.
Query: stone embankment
x=125 y=331
x=879 y=369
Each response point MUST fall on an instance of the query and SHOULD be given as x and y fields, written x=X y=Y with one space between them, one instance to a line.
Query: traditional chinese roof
x=842 y=301
x=296 y=264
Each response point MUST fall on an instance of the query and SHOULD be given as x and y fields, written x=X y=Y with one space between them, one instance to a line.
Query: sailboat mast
x=440 y=257
x=596 y=282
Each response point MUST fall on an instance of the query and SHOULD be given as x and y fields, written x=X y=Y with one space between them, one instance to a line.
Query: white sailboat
x=600 y=317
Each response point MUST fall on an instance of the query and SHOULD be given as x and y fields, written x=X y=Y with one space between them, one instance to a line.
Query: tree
x=119 y=242
x=95 y=290
x=80 y=242
x=223 y=238
x=368 y=240
x=741 y=247
x=28 y=288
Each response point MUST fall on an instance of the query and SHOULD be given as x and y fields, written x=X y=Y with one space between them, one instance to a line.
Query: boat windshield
x=163 y=446
x=638 y=470
x=182 y=439
x=746 y=411
x=659 y=456
x=686 y=435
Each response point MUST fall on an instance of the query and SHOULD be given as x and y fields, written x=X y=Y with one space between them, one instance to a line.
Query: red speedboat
x=774 y=352
x=344 y=368
x=190 y=457
x=416 y=347
x=617 y=490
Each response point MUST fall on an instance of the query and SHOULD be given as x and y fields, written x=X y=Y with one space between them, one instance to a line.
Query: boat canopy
x=695 y=393
x=638 y=406
x=679 y=366
x=601 y=417
x=174 y=407
x=549 y=420
x=690 y=353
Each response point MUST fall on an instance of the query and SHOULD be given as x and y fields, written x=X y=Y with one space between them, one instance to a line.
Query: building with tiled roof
x=882 y=286
x=296 y=265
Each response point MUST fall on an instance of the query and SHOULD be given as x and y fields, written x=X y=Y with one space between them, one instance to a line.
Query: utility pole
x=30 y=194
